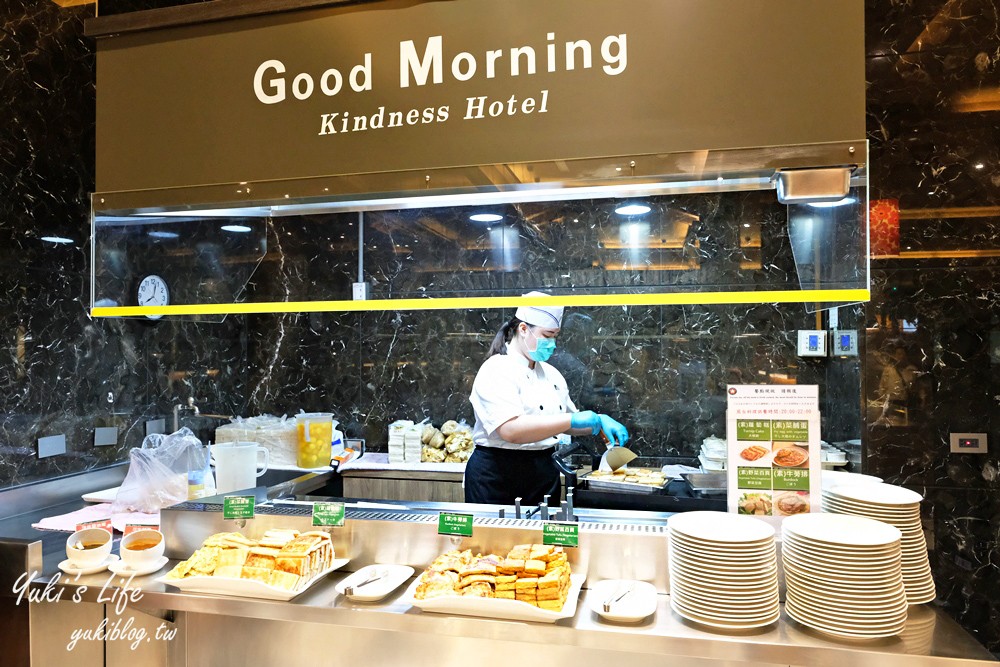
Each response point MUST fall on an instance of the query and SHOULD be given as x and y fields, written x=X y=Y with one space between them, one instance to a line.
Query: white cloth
x=506 y=387
x=549 y=317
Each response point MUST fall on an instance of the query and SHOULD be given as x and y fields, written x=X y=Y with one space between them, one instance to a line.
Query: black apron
x=497 y=476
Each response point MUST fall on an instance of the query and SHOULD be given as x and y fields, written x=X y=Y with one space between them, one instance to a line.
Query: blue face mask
x=544 y=347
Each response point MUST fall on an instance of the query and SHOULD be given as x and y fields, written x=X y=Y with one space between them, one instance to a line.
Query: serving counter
x=149 y=623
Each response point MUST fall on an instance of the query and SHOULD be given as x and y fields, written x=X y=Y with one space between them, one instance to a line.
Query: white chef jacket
x=506 y=387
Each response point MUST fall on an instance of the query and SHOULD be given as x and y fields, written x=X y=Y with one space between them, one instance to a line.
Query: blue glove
x=586 y=419
x=616 y=433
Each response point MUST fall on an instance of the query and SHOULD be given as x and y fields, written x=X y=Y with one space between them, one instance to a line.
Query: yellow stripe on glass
x=482 y=302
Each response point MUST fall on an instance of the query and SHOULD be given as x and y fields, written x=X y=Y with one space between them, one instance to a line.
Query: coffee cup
x=236 y=466
x=89 y=547
x=142 y=547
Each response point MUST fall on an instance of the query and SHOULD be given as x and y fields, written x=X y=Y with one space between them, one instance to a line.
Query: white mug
x=236 y=465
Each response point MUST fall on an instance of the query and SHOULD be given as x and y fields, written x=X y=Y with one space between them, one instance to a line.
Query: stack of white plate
x=723 y=570
x=901 y=508
x=833 y=478
x=843 y=575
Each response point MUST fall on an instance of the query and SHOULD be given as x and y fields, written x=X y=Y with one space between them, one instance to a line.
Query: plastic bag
x=158 y=472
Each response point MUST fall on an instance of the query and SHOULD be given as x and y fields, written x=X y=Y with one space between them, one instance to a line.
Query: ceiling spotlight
x=157 y=234
x=632 y=209
x=831 y=204
x=241 y=229
x=485 y=217
x=57 y=239
x=980 y=165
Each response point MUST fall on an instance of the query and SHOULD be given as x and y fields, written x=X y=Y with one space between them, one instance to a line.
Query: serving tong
x=375 y=575
x=616 y=597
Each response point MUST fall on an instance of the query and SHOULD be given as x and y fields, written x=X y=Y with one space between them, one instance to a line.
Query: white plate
x=637 y=604
x=733 y=607
x=395 y=576
x=735 y=586
x=718 y=550
x=878 y=494
x=832 y=478
x=840 y=631
x=511 y=610
x=715 y=623
x=840 y=529
x=68 y=567
x=103 y=496
x=746 y=580
x=246 y=588
x=700 y=555
x=711 y=466
x=720 y=527
x=121 y=568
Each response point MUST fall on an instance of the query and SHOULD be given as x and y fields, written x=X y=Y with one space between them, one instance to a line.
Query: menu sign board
x=774 y=458
x=238 y=507
x=459 y=525
x=328 y=514
x=561 y=534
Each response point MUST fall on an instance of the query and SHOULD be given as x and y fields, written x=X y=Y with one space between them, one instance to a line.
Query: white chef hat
x=549 y=317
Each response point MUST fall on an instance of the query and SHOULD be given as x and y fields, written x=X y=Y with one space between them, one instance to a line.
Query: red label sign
x=105 y=524
x=132 y=527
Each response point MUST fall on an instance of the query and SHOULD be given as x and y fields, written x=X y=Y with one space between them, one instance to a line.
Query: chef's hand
x=617 y=434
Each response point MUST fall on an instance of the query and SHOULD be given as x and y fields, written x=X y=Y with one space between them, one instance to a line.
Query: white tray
x=246 y=588
x=511 y=610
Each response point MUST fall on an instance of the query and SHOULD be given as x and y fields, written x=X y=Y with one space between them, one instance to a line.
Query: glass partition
x=689 y=237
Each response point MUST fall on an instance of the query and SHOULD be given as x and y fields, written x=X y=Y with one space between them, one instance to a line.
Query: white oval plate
x=123 y=569
x=842 y=529
x=68 y=567
x=395 y=576
x=720 y=527
x=247 y=588
x=637 y=604
x=832 y=478
x=877 y=494
x=511 y=610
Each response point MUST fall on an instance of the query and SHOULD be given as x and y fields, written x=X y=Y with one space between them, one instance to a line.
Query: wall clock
x=153 y=291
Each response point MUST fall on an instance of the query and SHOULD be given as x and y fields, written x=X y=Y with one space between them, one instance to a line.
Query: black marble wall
x=660 y=369
x=938 y=301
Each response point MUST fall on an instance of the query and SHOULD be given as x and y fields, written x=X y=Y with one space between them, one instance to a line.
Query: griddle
x=675 y=496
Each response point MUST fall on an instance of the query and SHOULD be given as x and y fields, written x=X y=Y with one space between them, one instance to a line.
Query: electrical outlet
x=361 y=291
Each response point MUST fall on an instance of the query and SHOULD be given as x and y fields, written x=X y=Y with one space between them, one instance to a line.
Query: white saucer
x=121 y=569
x=67 y=566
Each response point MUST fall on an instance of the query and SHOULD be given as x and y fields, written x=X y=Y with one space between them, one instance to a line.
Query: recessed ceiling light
x=980 y=165
x=57 y=239
x=485 y=217
x=831 y=204
x=632 y=209
x=746 y=224
x=242 y=229
x=157 y=234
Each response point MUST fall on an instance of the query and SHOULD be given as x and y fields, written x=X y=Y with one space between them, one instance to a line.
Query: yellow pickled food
x=314 y=452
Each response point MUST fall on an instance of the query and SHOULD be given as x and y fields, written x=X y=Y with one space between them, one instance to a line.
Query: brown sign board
x=394 y=86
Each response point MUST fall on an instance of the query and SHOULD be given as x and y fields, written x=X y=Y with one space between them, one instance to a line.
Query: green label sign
x=238 y=507
x=785 y=429
x=455 y=524
x=561 y=534
x=753 y=429
x=753 y=478
x=791 y=480
x=328 y=514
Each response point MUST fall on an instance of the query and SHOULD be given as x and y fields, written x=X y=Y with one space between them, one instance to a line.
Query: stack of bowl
x=843 y=575
x=723 y=570
x=901 y=508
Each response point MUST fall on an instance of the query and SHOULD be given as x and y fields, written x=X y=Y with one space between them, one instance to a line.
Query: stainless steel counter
x=320 y=613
